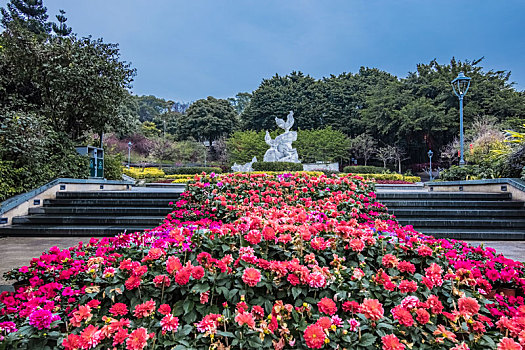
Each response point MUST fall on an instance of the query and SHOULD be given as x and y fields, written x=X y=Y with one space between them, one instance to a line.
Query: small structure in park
x=281 y=149
x=246 y=168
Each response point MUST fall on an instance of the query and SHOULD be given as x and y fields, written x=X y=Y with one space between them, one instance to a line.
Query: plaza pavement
x=18 y=251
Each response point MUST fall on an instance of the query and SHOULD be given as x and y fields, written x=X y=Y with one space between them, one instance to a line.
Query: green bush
x=32 y=154
x=277 y=166
x=10 y=184
x=467 y=172
x=113 y=166
x=363 y=169
x=192 y=170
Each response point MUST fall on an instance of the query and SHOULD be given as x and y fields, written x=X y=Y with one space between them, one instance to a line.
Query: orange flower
x=372 y=309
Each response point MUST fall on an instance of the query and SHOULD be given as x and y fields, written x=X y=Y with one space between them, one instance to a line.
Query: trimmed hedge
x=277 y=166
x=192 y=170
x=363 y=169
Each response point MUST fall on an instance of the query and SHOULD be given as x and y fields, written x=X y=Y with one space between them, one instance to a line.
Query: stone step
x=448 y=223
x=475 y=234
x=106 y=211
x=456 y=196
x=451 y=204
x=104 y=202
x=123 y=221
x=173 y=195
x=70 y=230
x=463 y=212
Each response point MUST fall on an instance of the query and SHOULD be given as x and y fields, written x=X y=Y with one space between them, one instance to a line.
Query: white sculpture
x=281 y=149
x=246 y=168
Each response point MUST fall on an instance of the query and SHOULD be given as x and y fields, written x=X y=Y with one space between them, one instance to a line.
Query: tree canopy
x=208 y=119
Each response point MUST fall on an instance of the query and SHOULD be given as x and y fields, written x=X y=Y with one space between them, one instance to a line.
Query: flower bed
x=258 y=261
x=143 y=173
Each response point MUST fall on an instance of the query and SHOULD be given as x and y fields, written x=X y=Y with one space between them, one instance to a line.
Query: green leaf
x=367 y=340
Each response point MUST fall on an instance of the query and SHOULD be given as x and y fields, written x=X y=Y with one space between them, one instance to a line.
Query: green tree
x=29 y=14
x=39 y=76
x=325 y=145
x=277 y=97
x=208 y=119
x=240 y=101
x=61 y=28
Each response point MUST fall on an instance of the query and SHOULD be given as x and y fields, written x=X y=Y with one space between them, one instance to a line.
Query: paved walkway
x=16 y=252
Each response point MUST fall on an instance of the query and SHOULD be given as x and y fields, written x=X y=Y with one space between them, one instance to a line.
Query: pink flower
x=118 y=309
x=169 y=323
x=90 y=337
x=138 y=339
x=390 y=342
x=354 y=324
x=42 y=319
x=372 y=309
x=144 y=310
x=251 y=276
x=245 y=318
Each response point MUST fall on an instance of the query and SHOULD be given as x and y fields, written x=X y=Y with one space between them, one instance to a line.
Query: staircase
x=459 y=215
x=97 y=213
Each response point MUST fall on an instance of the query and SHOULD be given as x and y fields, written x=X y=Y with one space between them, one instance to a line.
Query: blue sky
x=186 y=50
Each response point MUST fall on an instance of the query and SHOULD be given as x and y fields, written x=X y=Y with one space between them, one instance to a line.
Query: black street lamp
x=460 y=86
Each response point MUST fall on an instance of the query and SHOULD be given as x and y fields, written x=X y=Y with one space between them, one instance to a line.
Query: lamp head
x=430 y=153
x=461 y=84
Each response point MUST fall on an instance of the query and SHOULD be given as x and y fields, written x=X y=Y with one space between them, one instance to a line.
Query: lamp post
x=129 y=153
x=430 y=154
x=460 y=86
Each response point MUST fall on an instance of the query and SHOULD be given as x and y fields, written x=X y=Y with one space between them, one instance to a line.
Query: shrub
x=467 y=172
x=277 y=166
x=192 y=170
x=113 y=166
x=11 y=184
x=143 y=173
x=363 y=169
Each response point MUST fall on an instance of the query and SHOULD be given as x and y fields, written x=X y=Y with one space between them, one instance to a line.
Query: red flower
x=132 y=282
x=372 y=309
x=251 y=276
x=293 y=279
x=173 y=265
x=324 y=322
x=90 y=337
x=327 y=306
x=403 y=316
x=161 y=280
x=138 y=339
x=314 y=336
x=258 y=311
x=253 y=236
x=390 y=342
x=407 y=286
x=351 y=306
x=389 y=261
x=405 y=266
x=245 y=318
x=144 y=310
x=468 y=306
x=424 y=250
x=197 y=272
x=164 y=309
x=268 y=233
x=72 y=342
x=508 y=344
x=169 y=323
x=183 y=276
x=422 y=316
x=118 y=309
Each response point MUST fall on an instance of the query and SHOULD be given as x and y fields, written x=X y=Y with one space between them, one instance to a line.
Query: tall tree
x=30 y=14
x=208 y=119
x=61 y=28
